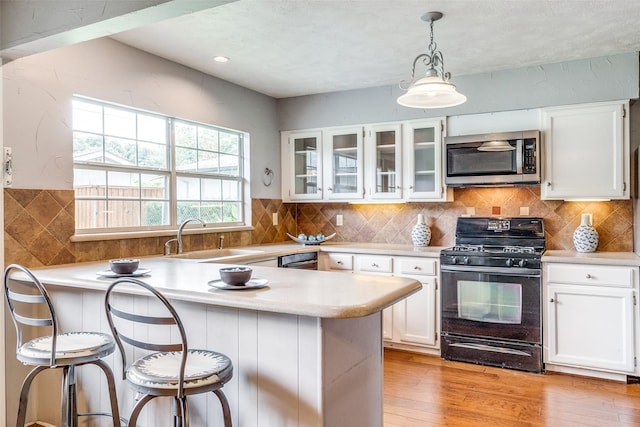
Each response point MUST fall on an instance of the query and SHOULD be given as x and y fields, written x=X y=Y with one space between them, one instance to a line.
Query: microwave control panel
x=529 y=156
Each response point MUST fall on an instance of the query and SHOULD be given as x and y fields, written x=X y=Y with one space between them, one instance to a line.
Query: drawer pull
x=339 y=262
x=417 y=267
x=588 y=276
x=374 y=265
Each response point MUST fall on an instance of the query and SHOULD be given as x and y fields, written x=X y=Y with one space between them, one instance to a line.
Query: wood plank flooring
x=424 y=390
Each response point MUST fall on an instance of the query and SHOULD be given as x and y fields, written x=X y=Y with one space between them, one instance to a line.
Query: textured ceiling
x=286 y=48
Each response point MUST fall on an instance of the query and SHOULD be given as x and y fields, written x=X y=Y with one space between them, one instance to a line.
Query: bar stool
x=66 y=351
x=170 y=369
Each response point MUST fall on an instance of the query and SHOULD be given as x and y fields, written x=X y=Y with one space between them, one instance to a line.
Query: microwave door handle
x=519 y=155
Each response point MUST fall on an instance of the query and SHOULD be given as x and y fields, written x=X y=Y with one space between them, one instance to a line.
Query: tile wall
x=39 y=223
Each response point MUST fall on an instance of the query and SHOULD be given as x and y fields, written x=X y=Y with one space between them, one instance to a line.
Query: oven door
x=497 y=303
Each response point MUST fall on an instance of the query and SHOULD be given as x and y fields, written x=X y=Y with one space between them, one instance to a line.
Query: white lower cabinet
x=591 y=316
x=412 y=323
x=378 y=264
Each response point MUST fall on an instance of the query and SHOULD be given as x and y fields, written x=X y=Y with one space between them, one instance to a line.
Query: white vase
x=585 y=238
x=420 y=233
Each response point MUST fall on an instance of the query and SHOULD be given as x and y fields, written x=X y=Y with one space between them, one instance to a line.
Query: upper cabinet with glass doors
x=302 y=165
x=383 y=170
x=423 y=161
x=384 y=162
x=343 y=163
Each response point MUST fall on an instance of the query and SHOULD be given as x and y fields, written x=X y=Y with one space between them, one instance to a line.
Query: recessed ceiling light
x=221 y=59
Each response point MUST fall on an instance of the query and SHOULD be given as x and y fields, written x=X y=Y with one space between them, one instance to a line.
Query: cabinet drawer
x=375 y=264
x=340 y=261
x=584 y=274
x=417 y=266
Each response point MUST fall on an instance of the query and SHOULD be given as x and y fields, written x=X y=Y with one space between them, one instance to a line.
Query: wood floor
x=428 y=391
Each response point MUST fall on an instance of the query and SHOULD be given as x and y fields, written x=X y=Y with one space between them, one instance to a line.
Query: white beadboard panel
x=277 y=369
x=288 y=370
x=310 y=371
x=246 y=369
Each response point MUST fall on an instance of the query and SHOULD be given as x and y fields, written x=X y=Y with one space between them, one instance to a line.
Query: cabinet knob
x=552 y=300
x=548 y=184
x=339 y=262
x=330 y=188
x=417 y=268
x=411 y=187
x=374 y=265
x=588 y=276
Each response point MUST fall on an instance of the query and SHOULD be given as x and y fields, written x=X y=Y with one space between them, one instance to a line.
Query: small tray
x=311 y=242
x=110 y=274
x=251 y=284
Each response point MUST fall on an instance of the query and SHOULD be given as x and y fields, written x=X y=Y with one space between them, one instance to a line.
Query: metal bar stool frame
x=139 y=374
x=51 y=352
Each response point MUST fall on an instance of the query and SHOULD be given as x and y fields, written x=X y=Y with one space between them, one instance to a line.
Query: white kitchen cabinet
x=335 y=261
x=400 y=161
x=416 y=319
x=378 y=264
x=301 y=166
x=383 y=169
x=590 y=318
x=586 y=151
x=423 y=171
x=343 y=163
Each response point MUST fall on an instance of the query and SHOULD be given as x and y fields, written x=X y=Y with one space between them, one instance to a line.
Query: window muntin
x=126 y=180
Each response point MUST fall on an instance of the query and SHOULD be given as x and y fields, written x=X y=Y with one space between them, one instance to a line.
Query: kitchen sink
x=211 y=254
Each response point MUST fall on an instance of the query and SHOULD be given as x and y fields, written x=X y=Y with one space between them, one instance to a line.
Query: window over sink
x=136 y=170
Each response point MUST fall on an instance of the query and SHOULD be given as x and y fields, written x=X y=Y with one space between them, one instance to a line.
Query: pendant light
x=433 y=90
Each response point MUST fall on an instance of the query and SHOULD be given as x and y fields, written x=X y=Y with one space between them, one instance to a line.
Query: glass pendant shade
x=431 y=92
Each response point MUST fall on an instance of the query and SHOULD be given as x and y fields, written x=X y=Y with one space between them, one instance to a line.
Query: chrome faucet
x=179 y=236
x=221 y=242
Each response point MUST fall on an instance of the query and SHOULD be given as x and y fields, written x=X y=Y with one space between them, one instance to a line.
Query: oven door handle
x=507 y=271
x=485 y=347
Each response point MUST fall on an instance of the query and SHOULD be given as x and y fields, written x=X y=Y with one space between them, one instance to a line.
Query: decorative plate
x=251 y=284
x=110 y=274
x=311 y=242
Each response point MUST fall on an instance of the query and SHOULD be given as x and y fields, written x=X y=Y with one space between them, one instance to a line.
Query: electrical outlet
x=274 y=218
x=8 y=167
x=524 y=210
x=471 y=211
x=339 y=222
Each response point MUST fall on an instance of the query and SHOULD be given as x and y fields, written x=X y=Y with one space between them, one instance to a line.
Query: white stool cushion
x=70 y=348
x=160 y=370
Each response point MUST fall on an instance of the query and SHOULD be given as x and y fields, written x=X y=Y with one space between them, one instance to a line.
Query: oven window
x=490 y=302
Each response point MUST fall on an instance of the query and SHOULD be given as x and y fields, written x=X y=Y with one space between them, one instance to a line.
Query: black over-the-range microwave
x=507 y=158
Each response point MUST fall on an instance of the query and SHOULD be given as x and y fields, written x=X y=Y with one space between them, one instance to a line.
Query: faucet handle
x=221 y=242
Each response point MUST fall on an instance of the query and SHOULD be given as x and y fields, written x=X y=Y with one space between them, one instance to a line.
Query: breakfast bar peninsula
x=306 y=348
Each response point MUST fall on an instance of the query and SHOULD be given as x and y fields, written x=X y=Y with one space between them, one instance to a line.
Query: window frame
x=242 y=180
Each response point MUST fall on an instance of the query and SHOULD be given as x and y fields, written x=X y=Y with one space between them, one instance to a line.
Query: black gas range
x=491 y=293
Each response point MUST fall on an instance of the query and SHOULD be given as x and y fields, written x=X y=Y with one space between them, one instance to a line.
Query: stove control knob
x=509 y=262
x=454 y=260
x=465 y=260
x=522 y=263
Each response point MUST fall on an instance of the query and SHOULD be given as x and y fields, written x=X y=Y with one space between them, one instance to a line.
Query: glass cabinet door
x=384 y=168
x=424 y=146
x=344 y=164
x=306 y=151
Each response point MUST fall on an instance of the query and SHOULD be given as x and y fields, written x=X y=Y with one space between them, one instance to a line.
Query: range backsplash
x=39 y=223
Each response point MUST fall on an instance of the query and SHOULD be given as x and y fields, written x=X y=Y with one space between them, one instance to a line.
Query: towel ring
x=267 y=179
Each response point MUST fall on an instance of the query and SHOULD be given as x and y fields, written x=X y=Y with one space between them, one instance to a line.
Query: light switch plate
x=274 y=218
x=339 y=220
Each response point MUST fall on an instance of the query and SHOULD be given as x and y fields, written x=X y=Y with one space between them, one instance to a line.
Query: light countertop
x=300 y=292
x=629 y=259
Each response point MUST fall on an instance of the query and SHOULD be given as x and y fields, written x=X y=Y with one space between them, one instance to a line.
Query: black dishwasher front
x=304 y=261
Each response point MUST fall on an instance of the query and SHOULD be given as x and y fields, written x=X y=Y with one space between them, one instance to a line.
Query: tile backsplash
x=39 y=224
